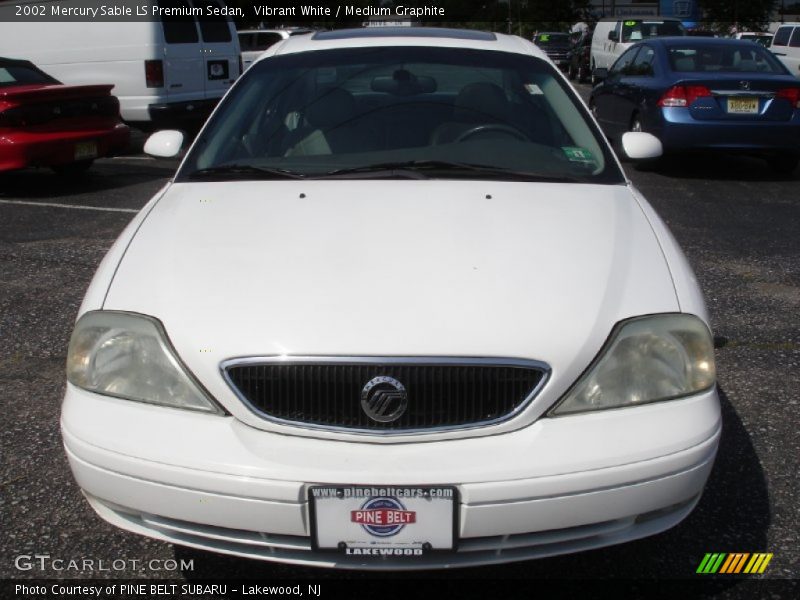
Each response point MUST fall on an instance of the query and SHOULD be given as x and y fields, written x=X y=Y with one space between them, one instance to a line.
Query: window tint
x=246 y=41
x=642 y=66
x=265 y=40
x=636 y=30
x=19 y=74
x=214 y=29
x=782 y=36
x=311 y=113
x=178 y=30
x=728 y=58
x=795 y=41
x=624 y=61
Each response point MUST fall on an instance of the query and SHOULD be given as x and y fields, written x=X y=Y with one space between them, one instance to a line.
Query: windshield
x=554 y=39
x=636 y=30
x=401 y=112
x=19 y=73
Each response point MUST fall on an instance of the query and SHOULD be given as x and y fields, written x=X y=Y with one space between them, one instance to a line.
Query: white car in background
x=255 y=41
x=400 y=308
x=786 y=46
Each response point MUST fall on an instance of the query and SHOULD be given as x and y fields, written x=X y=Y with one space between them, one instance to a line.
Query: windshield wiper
x=237 y=171
x=420 y=169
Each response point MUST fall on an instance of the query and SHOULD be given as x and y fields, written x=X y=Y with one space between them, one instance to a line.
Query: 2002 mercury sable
x=399 y=308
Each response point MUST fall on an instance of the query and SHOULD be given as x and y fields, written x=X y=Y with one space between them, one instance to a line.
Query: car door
x=605 y=97
x=781 y=47
x=183 y=68
x=220 y=50
x=631 y=91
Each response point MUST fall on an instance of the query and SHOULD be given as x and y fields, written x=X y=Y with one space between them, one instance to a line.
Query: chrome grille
x=440 y=394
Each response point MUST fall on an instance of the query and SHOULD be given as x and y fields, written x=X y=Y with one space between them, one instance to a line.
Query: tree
x=744 y=15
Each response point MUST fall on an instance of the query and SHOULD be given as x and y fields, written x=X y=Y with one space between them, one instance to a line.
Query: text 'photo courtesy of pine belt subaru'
x=399 y=308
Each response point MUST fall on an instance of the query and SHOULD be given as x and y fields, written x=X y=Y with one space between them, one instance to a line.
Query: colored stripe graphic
x=711 y=562
x=758 y=564
x=734 y=562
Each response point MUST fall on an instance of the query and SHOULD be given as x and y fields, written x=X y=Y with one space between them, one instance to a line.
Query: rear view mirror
x=404 y=83
x=613 y=35
x=600 y=74
x=639 y=145
x=164 y=144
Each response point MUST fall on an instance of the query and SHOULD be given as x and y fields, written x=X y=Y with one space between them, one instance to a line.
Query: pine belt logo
x=383 y=517
x=734 y=562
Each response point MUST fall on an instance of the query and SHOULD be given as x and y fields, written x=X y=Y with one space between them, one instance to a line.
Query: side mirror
x=639 y=145
x=600 y=75
x=613 y=35
x=164 y=144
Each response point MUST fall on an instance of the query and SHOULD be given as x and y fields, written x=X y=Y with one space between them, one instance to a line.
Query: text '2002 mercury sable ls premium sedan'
x=399 y=308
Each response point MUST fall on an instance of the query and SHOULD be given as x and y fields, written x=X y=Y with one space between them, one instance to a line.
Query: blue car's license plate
x=745 y=106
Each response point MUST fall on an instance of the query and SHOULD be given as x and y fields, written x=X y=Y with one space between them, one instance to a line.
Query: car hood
x=387 y=268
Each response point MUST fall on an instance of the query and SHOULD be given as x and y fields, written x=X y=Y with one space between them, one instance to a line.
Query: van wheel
x=72 y=169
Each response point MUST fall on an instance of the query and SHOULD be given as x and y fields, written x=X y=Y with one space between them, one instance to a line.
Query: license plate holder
x=739 y=105
x=85 y=150
x=383 y=521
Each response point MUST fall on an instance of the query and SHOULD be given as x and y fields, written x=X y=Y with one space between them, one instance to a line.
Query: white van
x=786 y=46
x=612 y=36
x=253 y=42
x=166 y=73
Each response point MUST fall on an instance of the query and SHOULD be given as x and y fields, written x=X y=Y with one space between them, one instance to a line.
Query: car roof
x=694 y=40
x=438 y=37
x=638 y=18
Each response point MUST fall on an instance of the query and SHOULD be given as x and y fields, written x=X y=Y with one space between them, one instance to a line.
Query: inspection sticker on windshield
x=533 y=89
x=579 y=155
x=401 y=522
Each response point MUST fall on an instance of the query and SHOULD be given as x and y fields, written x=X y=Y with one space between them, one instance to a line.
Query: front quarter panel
x=96 y=294
x=687 y=287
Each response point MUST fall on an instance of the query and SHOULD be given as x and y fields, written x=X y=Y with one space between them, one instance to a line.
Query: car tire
x=783 y=164
x=72 y=169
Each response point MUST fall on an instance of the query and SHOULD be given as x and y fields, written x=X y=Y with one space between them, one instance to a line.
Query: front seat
x=476 y=104
x=331 y=126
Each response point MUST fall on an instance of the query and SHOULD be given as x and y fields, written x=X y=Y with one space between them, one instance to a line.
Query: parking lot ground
x=738 y=224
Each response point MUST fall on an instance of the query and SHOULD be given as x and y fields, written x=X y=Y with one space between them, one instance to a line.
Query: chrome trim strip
x=403 y=360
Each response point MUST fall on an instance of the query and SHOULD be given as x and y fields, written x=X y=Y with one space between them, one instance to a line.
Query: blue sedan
x=708 y=93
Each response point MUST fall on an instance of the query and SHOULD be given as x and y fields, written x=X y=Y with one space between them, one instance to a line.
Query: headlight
x=647 y=359
x=128 y=356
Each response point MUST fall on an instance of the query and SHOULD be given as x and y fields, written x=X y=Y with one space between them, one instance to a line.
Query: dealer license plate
x=747 y=106
x=85 y=150
x=395 y=521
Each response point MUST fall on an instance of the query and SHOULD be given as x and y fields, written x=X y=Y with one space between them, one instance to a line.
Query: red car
x=46 y=123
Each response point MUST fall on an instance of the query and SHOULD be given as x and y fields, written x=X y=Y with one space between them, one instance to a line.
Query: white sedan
x=399 y=308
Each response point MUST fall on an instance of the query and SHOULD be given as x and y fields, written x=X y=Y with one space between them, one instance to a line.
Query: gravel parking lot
x=737 y=222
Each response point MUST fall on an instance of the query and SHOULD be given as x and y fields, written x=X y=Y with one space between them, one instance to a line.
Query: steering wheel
x=506 y=129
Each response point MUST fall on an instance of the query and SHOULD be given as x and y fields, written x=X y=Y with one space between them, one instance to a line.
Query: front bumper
x=558 y=486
